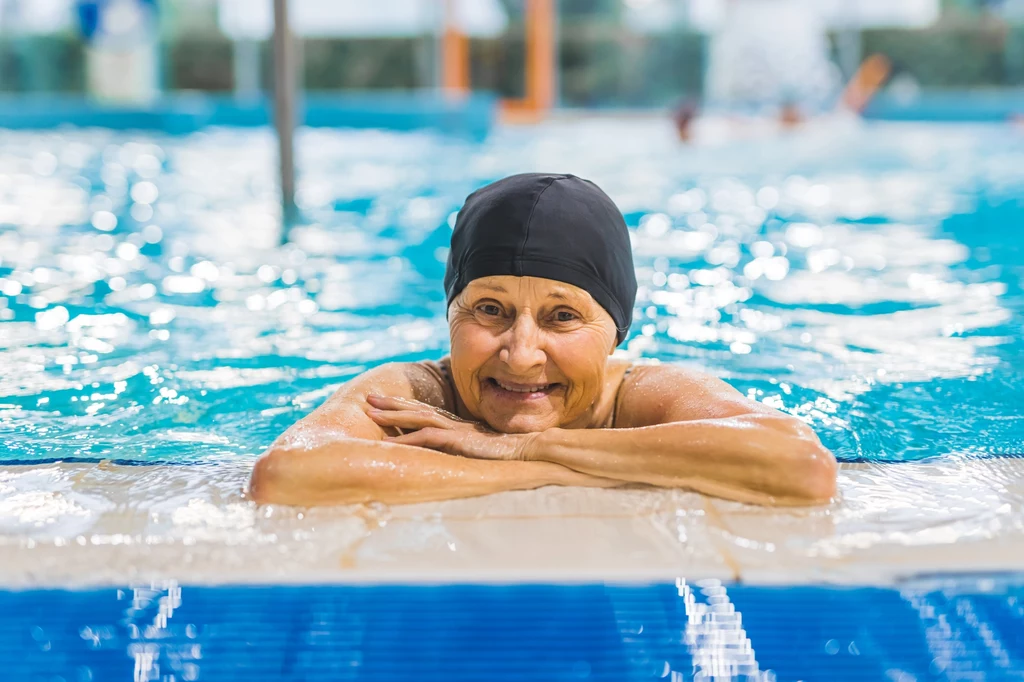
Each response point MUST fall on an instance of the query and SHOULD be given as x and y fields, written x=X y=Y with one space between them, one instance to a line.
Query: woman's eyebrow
x=560 y=295
x=569 y=299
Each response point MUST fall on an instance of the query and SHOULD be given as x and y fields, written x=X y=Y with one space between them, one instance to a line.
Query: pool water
x=966 y=629
x=868 y=278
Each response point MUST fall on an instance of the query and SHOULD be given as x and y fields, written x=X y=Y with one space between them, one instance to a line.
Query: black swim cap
x=557 y=227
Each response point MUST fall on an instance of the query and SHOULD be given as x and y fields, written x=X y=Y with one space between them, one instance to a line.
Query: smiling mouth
x=525 y=390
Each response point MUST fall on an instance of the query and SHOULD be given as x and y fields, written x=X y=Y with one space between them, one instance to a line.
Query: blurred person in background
x=122 y=49
x=540 y=288
x=771 y=58
x=683 y=117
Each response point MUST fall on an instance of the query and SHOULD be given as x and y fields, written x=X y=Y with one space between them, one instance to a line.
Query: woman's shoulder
x=658 y=392
x=621 y=372
x=426 y=381
x=629 y=370
x=437 y=386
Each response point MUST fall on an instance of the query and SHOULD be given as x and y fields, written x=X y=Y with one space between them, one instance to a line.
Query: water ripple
x=865 y=278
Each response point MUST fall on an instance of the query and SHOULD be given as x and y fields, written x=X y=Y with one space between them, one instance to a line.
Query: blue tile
x=960 y=629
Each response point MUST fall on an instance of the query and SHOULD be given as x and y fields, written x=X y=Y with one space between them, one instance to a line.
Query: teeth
x=530 y=389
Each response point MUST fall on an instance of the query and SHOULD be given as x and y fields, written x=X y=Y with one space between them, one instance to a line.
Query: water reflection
x=835 y=275
x=160 y=630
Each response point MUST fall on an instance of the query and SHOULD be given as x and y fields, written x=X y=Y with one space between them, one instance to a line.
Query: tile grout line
x=712 y=512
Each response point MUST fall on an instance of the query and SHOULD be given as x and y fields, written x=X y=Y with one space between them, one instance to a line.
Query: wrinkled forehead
x=524 y=290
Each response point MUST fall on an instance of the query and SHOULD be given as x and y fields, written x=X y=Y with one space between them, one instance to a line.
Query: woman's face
x=528 y=354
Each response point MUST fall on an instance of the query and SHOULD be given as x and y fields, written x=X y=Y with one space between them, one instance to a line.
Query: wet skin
x=535 y=399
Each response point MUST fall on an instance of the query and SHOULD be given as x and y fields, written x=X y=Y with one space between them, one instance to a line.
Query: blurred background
x=608 y=53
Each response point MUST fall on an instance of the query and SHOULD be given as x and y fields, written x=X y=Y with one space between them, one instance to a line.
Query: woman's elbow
x=819 y=476
x=268 y=483
x=817 y=468
x=812 y=467
x=307 y=478
x=285 y=476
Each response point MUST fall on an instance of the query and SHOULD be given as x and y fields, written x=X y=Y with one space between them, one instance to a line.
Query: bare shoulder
x=344 y=413
x=424 y=381
x=658 y=394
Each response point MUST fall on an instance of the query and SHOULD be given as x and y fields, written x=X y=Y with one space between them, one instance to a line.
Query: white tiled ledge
x=67 y=525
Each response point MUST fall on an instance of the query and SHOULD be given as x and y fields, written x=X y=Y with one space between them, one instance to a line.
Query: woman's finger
x=460 y=443
x=394 y=403
x=403 y=419
x=434 y=439
x=387 y=402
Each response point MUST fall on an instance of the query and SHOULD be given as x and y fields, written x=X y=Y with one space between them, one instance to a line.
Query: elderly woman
x=541 y=288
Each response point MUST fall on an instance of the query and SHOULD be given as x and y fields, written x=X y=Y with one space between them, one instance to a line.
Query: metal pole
x=284 y=110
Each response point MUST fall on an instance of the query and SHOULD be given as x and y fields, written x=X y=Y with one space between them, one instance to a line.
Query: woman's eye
x=566 y=316
x=489 y=309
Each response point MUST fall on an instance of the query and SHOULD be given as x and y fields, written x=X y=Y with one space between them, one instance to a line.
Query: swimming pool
x=868 y=278
x=927 y=630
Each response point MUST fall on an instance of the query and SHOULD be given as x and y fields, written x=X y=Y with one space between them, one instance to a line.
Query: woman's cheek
x=469 y=349
x=468 y=330
x=583 y=364
x=472 y=347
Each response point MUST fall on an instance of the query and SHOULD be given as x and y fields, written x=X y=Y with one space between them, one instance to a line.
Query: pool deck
x=99 y=524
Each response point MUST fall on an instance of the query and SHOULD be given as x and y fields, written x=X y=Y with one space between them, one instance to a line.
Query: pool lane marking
x=714 y=635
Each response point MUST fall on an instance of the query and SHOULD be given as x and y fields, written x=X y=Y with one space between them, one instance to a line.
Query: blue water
x=869 y=279
x=964 y=629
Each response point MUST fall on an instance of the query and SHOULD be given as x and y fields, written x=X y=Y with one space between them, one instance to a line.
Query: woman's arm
x=751 y=458
x=685 y=429
x=336 y=455
x=674 y=428
x=350 y=470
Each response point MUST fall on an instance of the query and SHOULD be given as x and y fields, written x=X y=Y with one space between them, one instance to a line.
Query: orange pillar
x=540 y=54
x=454 y=55
x=540 y=65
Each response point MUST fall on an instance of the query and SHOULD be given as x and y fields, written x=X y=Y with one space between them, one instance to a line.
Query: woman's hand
x=433 y=428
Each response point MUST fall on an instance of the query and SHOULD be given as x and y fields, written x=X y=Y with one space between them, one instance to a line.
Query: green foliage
x=203 y=63
x=50 y=63
x=945 y=56
x=630 y=70
x=361 y=64
x=600 y=62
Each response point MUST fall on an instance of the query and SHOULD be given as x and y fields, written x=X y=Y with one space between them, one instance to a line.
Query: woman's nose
x=522 y=350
